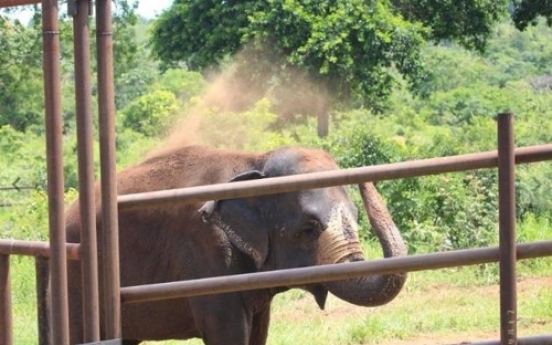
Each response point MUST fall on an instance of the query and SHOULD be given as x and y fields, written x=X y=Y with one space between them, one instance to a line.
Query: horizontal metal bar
x=323 y=179
x=323 y=273
x=532 y=340
x=36 y=248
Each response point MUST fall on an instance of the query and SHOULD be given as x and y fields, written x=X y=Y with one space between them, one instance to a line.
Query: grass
x=23 y=300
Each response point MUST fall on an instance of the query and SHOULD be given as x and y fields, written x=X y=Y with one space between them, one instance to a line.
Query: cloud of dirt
x=253 y=73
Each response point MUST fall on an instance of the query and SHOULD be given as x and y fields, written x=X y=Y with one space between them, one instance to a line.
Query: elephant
x=195 y=240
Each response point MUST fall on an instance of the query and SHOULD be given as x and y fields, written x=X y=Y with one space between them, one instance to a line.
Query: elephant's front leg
x=259 y=331
x=222 y=319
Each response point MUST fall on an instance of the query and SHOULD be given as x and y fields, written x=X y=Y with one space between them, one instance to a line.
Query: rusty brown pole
x=83 y=102
x=507 y=230
x=54 y=162
x=42 y=269
x=106 y=100
x=6 y=336
x=322 y=273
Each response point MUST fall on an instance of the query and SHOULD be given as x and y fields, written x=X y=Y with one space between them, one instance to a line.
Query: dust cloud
x=292 y=94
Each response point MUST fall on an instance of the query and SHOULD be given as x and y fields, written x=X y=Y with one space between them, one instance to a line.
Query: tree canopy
x=21 y=85
x=20 y=69
x=357 y=47
x=526 y=12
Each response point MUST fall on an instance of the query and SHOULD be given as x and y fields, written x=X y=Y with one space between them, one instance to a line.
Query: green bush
x=151 y=114
x=183 y=83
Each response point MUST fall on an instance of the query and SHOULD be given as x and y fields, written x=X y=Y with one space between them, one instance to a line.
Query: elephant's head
x=309 y=227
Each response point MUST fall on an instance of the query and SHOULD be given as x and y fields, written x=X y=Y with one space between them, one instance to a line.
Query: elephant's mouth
x=320 y=293
x=339 y=242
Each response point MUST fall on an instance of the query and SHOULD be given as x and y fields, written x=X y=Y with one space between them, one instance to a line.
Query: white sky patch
x=150 y=9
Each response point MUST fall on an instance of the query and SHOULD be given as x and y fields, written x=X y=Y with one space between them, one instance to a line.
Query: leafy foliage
x=150 y=114
x=353 y=44
x=358 y=49
x=182 y=83
x=469 y=23
x=199 y=32
x=527 y=11
x=20 y=70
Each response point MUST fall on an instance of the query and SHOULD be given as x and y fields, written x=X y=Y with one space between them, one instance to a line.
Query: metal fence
x=57 y=251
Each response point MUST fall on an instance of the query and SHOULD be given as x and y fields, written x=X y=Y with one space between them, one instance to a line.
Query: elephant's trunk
x=372 y=290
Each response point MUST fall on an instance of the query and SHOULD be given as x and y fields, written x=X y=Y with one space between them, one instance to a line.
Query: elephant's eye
x=309 y=230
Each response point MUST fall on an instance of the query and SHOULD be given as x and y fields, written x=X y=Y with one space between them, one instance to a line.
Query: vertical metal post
x=507 y=230
x=42 y=276
x=6 y=337
x=83 y=99
x=54 y=162
x=110 y=232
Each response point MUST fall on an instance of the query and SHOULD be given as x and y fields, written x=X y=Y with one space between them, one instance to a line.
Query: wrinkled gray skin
x=227 y=237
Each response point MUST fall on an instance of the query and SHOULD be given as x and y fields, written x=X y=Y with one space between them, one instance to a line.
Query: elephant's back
x=185 y=167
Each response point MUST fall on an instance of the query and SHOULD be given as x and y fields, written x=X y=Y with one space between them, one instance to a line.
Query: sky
x=151 y=8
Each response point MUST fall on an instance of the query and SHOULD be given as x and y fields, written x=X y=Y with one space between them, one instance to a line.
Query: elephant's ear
x=241 y=220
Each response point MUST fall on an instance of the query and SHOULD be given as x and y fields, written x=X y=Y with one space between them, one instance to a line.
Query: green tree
x=183 y=83
x=526 y=12
x=20 y=76
x=150 y=114
x=357 y=47
x=469 y=22
x=21 y=85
